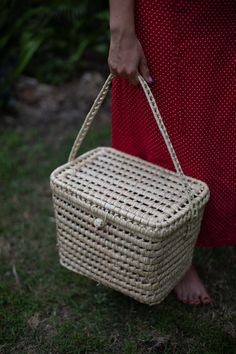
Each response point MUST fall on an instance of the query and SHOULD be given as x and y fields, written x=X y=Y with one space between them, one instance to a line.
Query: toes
x=191 y=299
x=194 y=299
x=206 y=300
x=181 y=296
x=178 y=293
x=184 y=299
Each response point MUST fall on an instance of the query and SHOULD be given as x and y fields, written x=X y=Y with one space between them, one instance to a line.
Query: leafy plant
x=48 y=40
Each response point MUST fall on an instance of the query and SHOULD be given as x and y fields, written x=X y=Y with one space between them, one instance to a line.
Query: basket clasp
x=99 y=223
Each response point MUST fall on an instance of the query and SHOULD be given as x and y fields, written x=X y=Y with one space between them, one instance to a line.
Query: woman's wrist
x=120 y=32
x=121 y=28
x=121 y=19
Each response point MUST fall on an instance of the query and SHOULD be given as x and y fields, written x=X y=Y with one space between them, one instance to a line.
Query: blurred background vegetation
x=51 y=41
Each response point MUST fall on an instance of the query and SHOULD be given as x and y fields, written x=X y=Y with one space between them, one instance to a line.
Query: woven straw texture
x=125 y=222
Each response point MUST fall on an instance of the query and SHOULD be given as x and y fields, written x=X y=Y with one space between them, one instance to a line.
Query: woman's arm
x=126 y=57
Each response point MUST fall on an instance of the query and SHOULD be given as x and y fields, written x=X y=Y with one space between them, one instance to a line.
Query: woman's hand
x=126 y=57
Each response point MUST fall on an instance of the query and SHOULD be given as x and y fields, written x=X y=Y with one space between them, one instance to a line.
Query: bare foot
x=191 y=290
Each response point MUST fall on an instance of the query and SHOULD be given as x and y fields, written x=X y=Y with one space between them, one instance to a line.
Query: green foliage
x=48 y=39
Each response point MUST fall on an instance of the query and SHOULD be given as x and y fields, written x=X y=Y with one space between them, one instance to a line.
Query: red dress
x=190 y=46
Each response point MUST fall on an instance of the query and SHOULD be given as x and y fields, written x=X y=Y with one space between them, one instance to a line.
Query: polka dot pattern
x=190 y=47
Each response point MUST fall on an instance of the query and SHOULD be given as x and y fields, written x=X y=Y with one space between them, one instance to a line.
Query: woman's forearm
x=126 y=56
x=121 y=17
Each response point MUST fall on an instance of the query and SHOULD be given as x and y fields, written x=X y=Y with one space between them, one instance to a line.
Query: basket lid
x=128 y=190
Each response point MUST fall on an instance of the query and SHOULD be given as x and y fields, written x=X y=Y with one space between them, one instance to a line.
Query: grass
x=45 y=308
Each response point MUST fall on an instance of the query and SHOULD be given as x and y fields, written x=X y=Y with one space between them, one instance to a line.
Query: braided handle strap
x=152 y=103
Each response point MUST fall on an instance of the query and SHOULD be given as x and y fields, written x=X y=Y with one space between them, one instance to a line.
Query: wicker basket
x=125 y=222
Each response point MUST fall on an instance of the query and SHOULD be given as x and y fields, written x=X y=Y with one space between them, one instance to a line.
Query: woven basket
x=124 y=222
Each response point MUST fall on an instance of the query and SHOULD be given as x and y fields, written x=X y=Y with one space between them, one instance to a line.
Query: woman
x=186 y=51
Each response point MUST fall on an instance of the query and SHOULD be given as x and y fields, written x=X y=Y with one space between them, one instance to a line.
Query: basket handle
x=152 y=103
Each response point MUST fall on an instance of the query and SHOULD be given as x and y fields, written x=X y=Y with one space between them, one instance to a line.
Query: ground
x=45 y=308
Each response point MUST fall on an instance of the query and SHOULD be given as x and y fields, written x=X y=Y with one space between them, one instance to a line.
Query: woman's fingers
x=144 y=71
x=130 y=73
x=126 y=58
x=132 y=76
